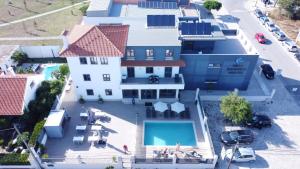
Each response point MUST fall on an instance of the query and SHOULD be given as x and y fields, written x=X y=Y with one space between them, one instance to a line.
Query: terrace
x=124 y=127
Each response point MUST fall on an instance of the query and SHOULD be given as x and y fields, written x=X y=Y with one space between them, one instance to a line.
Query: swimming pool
x=48 y=71
x=169 y=134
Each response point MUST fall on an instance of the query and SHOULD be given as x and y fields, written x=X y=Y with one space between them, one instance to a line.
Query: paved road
x=272 y=53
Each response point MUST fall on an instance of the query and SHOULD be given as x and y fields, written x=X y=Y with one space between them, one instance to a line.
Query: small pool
x=169 y=134
x=48 y=71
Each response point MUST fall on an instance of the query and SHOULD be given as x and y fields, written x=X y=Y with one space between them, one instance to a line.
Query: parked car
x=290 y=45
x=264 y=19
x=279 y=35
x=241 y=154
x=270 y=26
x=258 y=13
x=259 y=121
x=268 y=71
x=234 y=136
x=260 y=37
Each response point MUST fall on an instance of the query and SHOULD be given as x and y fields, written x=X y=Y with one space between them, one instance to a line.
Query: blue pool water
x=48 y=71
x=169 y=134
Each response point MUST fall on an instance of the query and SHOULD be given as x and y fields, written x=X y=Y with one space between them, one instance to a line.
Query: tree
x=61 y=73
x=83 y=9
x=19 y=57
x=23 y=137
x=236 y=108
x=212 y=4
x=291 y=6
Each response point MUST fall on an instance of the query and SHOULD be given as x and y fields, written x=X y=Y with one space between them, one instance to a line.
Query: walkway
x=43 y=14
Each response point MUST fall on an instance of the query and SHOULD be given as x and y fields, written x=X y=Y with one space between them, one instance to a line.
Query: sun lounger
x=96 y=128
x=84 y=115
x=78 y=139
x=81 y=128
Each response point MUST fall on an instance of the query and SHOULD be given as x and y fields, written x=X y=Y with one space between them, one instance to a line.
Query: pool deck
x=125 y=127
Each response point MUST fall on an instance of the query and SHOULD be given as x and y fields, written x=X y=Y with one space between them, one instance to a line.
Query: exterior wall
x=140 y=72
x=6 y=64
x=235 y=71
x=159 y=52
x=30 y=90
x=96 y=71
x=41 y=51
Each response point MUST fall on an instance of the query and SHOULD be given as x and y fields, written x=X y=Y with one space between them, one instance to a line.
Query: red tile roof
x=103 y=40
x=133 y=63
x=12 y=92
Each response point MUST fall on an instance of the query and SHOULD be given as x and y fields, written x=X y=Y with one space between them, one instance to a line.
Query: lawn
x=290 y=27
x=48 y=25
x=18 y=9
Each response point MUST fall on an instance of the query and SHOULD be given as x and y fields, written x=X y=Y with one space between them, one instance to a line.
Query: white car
x=290 y=45
x=242 y=154
x=270 y=26
x=279 y=35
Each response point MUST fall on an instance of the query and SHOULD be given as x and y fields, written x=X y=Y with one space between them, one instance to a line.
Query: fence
x=41 y=51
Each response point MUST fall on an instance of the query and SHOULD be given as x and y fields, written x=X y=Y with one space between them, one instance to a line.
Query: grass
x=17 y=10
x=290 y=27
x=49 y=25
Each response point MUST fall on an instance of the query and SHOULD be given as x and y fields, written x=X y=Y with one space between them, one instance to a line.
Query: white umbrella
x=177 y=107
x=160 y=106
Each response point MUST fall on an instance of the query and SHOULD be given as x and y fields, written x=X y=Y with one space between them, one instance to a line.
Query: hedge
x=14 y=159
x=36 y=132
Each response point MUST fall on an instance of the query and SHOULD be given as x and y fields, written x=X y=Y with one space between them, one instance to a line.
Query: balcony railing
x=178 y=79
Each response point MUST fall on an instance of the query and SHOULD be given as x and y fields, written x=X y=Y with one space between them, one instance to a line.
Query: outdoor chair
x=154 y=113
x=172 y=114
x=166 y=114
x=148 y=112
x=182 y=115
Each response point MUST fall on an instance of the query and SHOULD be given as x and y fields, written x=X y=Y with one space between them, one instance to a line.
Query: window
x=106 y=77
x=32 y=84
x=214 y=65
x=104 y=61
x=168 y=71
x=89 y=92
x=169 y=53
x=94 y=60
x=83 y=60
x=130 y=94
x=130 y=52
x=149 y=70
x=149 y=52
x=86 y=77
x=108 y=92
x=167 y=93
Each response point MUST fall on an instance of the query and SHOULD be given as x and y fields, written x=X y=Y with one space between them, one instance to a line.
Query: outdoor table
x=78 y=139
x=98 y=114
x=80 y=127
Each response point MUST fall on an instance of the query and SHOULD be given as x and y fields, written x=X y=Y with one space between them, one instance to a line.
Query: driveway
x=277 y=147
x=272 y=52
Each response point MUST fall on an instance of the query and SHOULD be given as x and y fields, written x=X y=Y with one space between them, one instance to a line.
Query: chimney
x=65 y=39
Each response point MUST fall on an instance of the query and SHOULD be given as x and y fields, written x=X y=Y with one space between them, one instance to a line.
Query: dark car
x=258 y=13
x=234 y=136
x=259 y=121
x=268 y=71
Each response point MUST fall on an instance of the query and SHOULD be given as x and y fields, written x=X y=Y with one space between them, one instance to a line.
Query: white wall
x=96 y=71
x=30 y=91
x=140 y=72
x=41 y=51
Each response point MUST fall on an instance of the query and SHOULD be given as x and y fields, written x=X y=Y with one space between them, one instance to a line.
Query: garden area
x=12 y=148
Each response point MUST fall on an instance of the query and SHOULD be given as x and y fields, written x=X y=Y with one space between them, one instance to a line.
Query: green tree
x=19 y=57
x=23 y=137
x=235 y=108
x=83 y=9
x=61 y=73
x=291 y=6
x=212 y=4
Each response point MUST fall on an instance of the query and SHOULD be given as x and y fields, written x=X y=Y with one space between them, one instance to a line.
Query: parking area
x=276 y=147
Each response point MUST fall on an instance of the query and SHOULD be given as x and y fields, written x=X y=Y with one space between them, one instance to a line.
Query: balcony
x=178 y=79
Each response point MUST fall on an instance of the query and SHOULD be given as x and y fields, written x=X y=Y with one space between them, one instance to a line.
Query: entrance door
x=212 y=75
x=130 y=71
x=168 y=71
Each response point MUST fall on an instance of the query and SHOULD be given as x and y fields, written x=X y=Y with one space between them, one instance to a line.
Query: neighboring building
x=16 y=92
x=6 y=51
x=186 y=51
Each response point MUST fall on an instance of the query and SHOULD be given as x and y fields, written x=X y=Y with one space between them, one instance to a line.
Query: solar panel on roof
x=207 y=28
x=195 y=28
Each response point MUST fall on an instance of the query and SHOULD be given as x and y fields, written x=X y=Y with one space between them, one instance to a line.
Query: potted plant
x=100 y=99
x=81 y=100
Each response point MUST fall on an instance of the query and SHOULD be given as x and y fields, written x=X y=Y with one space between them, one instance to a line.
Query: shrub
x=1 y=142
x=109 y=167
x=45 y=156
x=235 y=108
x=19 y=57
x=23 y=137
x=61 y=73
x=212 y=4
x=83 y=9
x=36 y=132
x=81 y=100
x=14 y=159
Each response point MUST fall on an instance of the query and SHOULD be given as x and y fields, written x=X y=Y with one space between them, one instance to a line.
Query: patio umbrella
x=177 y=107
x=160 y=106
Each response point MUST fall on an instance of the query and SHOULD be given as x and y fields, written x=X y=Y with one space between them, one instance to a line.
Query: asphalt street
x=272 y=52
